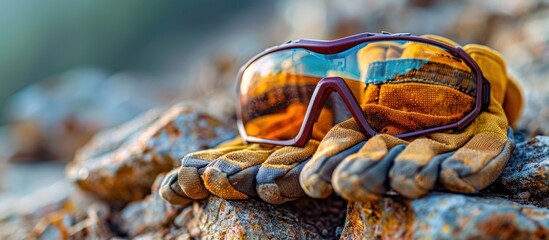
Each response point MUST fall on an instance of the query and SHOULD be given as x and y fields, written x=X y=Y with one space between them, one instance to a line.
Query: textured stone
x=19 y=215
x=148 y=215
x=445 y=216
x=437 y=216
x=527 y=172
x=74 y=223
x=57 y=211
x=119 y=165
x=216 y=218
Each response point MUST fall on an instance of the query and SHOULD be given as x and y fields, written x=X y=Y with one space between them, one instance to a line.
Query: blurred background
x=71 y=68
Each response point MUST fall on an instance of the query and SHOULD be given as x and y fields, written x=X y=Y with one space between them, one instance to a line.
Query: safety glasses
x=286 y=93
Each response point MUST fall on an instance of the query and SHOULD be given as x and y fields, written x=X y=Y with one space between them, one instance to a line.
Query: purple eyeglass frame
x=328 y=85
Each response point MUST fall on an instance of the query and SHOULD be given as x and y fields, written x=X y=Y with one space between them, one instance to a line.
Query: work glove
x=462 y=161
x=229 y=172
x=240 y=171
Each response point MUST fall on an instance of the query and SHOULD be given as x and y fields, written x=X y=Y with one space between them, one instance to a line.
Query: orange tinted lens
x=414 y=86
x=276 y=91
x=276 y=105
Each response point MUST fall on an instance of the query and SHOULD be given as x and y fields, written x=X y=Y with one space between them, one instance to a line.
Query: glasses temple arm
x=485 y=94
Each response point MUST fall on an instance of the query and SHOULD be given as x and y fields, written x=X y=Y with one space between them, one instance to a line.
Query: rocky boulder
x=120 y=164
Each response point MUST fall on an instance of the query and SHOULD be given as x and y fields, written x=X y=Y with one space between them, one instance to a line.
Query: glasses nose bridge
x=329 y=85
x=323 y=90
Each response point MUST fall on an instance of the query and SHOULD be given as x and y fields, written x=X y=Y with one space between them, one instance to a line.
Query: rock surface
x=215 y=218
x=445 y=216
x=58 y=211
x=528 y=169
x=148 y=215
x=18 y=216
x=119 y=165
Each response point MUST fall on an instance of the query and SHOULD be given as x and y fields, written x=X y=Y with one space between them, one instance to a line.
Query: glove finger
x=278 y=177
x=171 y=192
x=232 y=176
x=416 y=169
x=477 y=164
x=513 y=104
x=363 y=176
x=193 y=166
x=340 y=141
x=412 y=180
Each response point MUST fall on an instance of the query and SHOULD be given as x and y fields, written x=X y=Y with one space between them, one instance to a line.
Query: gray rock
x=148 y=215
x=528 y=168
x=58 y=211
x=120 y=164
x=215 y=218
x=445 y=216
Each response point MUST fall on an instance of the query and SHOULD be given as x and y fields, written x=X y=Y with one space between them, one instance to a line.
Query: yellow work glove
x=462 y=161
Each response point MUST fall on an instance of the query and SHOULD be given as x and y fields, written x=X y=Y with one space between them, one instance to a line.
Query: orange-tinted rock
x=445 y=216
x=120 y=164
x=215 y=218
